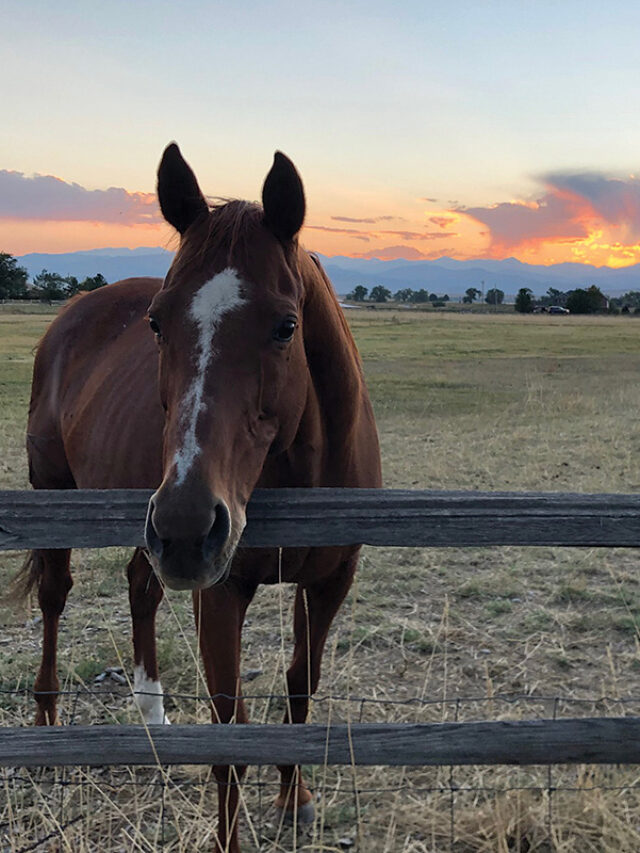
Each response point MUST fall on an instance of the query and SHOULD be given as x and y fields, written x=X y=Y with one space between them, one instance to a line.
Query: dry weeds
x=471 y=402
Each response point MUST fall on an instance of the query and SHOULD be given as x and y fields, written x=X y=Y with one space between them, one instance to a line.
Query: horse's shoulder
x=130 y=296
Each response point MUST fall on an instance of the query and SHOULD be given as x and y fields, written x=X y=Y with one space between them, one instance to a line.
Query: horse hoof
x=304 y=815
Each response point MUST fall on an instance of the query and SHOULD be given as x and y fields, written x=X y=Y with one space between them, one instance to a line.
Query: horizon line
x=478 y=259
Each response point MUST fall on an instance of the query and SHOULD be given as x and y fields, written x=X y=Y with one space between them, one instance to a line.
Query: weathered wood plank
x=298 y=517
x=567 y=741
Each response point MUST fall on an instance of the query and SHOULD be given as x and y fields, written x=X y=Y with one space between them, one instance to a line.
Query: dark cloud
x=44 y=197
x=430 y=200
x=552 y=217
x=573 y=206
x=615 y=200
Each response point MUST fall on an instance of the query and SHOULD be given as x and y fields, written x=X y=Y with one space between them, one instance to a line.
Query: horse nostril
x=172 y=537
x=217 y=536
x=154 y=542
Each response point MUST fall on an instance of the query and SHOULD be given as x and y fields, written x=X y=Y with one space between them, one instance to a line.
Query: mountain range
x=444 y=275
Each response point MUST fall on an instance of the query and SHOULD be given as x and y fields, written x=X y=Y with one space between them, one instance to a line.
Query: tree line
x=379 y=293
x=580 y=300
x=46 y=286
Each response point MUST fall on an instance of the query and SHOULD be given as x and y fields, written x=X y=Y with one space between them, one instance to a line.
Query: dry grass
x=463 y=401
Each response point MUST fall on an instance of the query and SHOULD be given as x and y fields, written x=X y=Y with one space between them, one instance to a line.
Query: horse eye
x=284 y=332
x=153 y=325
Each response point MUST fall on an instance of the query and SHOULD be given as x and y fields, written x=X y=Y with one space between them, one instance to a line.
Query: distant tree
x=93 y=282
x=421 y=295
x=494 y=296
x=471 y=294
x=49 y=286
x=433 y=297
x=13 y=279
x=358 y=294
x=72 y=285
x=631 y=299
x=446 y=298
x=589 y=301
x=403 y=295
x=379 y=293
x=553 y=296
x=524 y=302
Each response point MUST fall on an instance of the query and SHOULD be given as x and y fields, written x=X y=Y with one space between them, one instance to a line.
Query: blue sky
x=380 y=106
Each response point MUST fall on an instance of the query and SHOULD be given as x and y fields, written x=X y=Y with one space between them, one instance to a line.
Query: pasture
x=463 y=401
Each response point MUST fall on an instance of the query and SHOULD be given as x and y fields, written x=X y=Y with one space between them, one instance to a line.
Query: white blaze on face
x=148 y=694
x=215 y=299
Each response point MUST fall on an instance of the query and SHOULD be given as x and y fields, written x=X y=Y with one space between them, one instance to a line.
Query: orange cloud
x=445 y=220
x=352 y=232
x=368 y=221
x=585 y=217
x=418 y=235
x=394 y=253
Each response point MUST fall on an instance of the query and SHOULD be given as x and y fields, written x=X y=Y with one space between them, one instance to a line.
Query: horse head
x=233 y=378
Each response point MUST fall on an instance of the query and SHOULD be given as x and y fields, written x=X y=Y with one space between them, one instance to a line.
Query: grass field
x=463 y=401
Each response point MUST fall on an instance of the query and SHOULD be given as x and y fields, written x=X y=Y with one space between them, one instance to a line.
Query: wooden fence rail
x=299 y=517
x=605 y=740
x=304 y=517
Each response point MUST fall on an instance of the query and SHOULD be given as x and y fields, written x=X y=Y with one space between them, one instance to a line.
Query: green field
x=463 y=401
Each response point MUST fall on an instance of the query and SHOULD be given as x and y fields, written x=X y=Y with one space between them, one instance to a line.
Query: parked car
x=558 y=309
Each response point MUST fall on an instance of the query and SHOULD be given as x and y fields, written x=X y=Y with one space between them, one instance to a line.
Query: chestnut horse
x=253 y=380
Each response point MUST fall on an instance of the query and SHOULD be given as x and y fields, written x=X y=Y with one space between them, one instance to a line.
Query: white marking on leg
x=215 y=299
x=149 y=697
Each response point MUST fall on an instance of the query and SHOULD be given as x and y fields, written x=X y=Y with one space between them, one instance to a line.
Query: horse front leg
x=145 y=595
x=314 y=610
x=219 y=613
x=51 y=567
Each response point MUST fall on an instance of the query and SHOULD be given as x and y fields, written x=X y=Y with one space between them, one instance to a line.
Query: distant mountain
x=114 y=264
x=444 y=275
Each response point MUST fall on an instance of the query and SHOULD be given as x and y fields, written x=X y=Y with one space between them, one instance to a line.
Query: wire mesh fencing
x=448 y=808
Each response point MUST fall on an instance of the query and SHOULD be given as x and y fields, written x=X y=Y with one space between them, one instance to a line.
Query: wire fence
x=456 y=809
x=413 y=810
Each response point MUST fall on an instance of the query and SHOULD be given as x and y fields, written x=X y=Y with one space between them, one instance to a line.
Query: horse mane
x=327 y=290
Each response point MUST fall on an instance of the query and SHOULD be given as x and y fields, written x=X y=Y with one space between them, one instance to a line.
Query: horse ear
x=283 y=199
x=181 y=200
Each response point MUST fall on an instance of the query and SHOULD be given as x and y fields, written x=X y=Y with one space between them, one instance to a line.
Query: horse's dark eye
x=284 y=332
x=153 y=325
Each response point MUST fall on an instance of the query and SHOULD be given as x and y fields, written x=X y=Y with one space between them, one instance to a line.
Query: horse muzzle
x=189 y=550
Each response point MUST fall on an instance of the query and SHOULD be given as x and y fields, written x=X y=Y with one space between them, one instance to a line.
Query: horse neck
x=332 y=356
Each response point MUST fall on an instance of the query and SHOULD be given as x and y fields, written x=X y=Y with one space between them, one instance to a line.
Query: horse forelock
x=225 y=234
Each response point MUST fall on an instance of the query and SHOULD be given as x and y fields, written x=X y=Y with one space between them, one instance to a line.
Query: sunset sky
x=420 y=129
